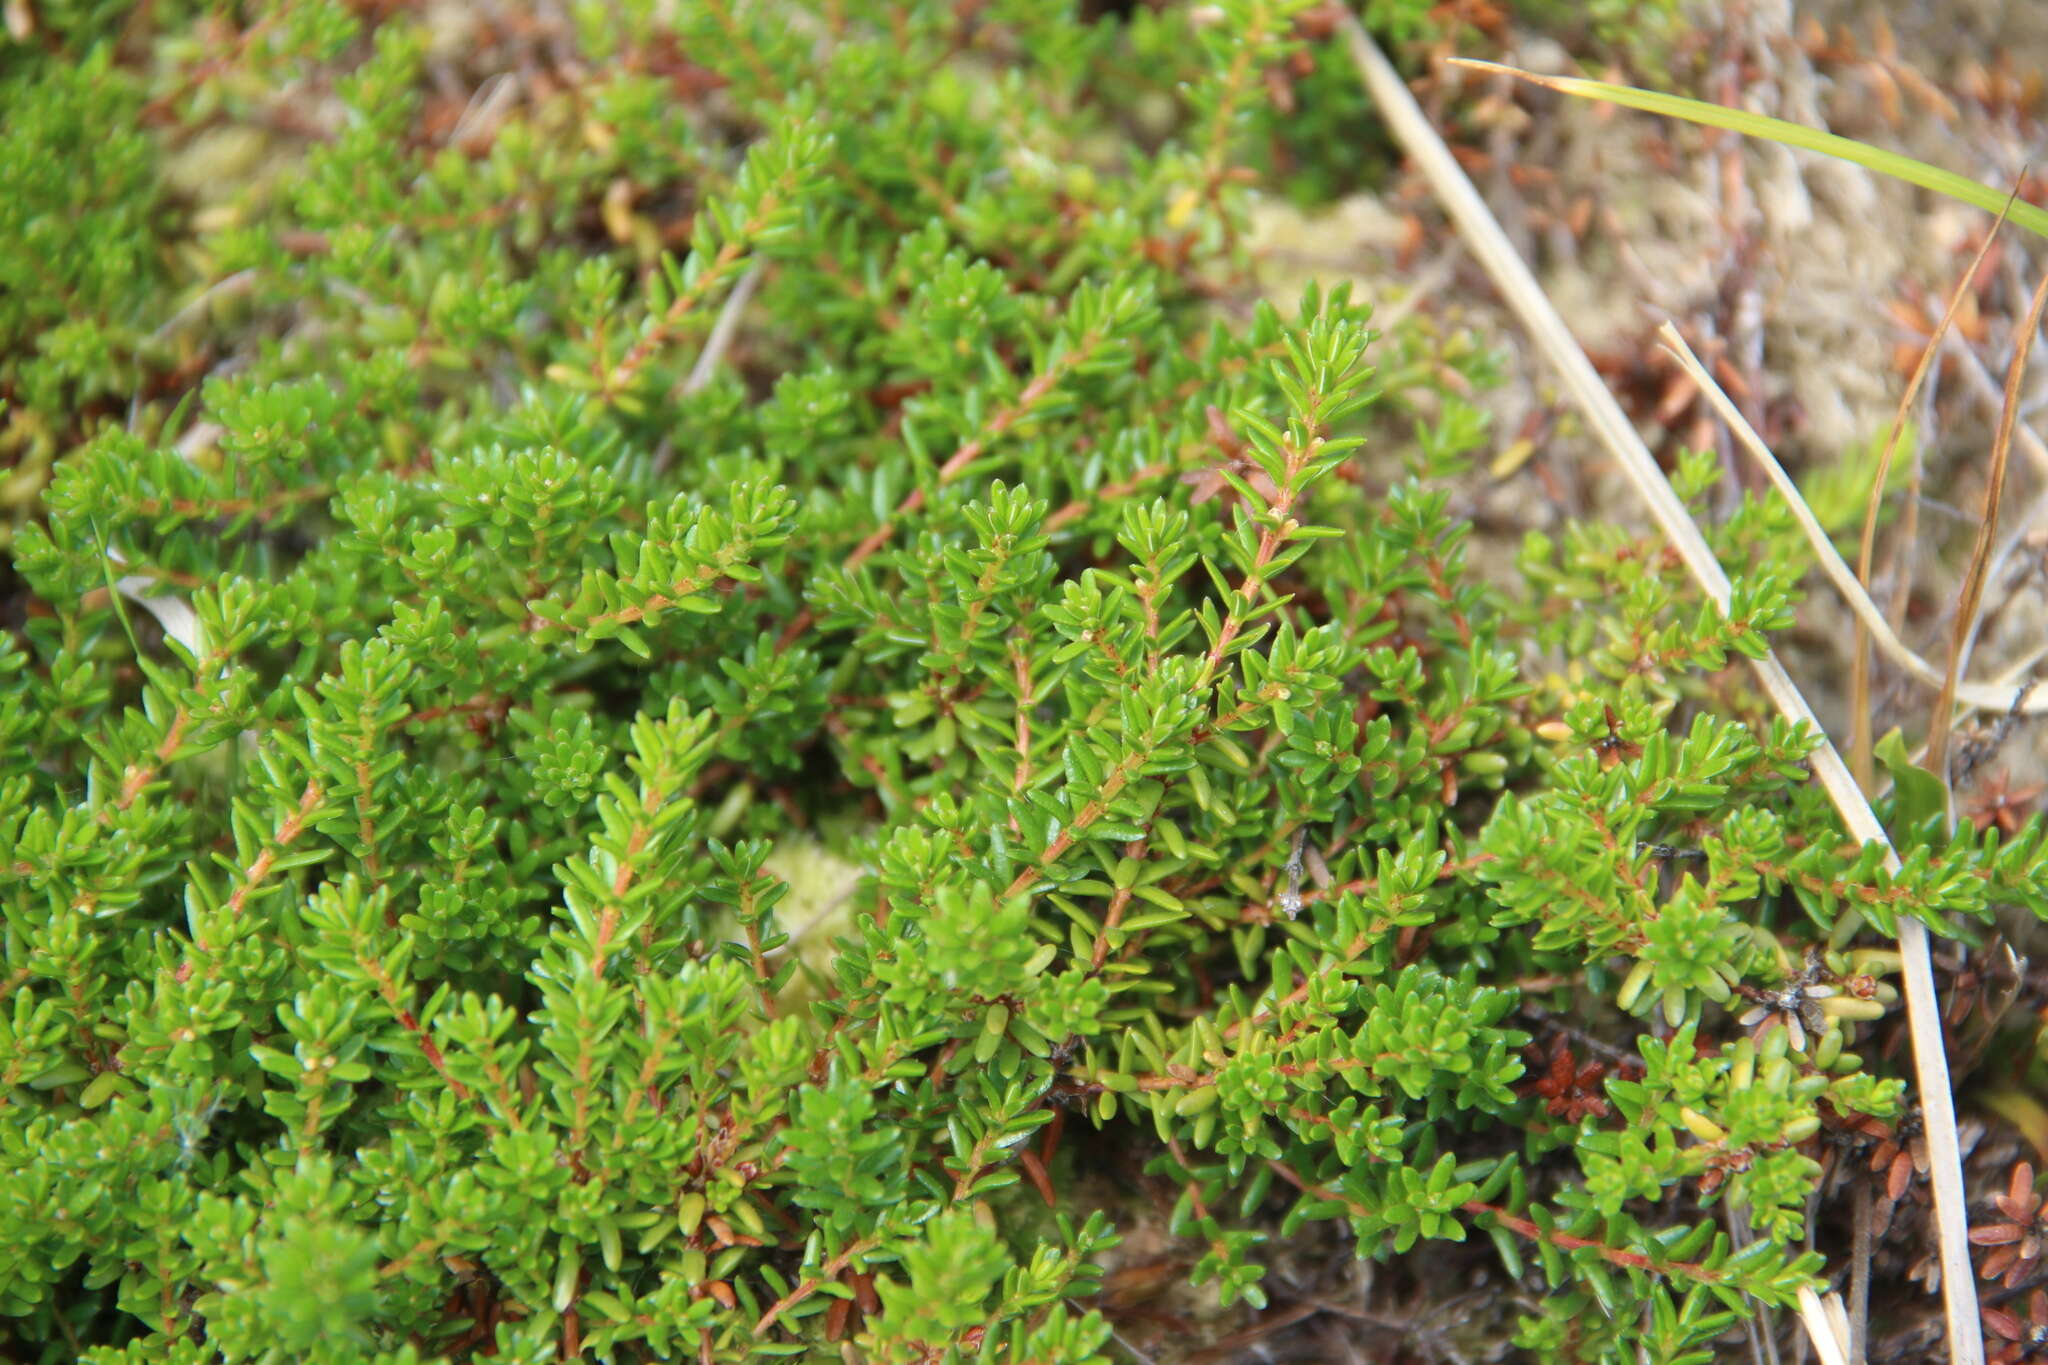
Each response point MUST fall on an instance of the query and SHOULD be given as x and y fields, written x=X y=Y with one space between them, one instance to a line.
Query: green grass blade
x=113 y=586
x=1791 y=134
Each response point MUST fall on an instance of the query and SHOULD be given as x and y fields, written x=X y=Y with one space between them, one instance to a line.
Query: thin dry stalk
x=1483 y=233
x=1942 y=723
x=1859 y=660
x=2023 y=529
x=1978 y=695
x=1861 y=1239
x=1986 y=388
x=723 y=331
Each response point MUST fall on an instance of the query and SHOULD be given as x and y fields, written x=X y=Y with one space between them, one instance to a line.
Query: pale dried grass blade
x=1821 y=1329
x=1981 y=696
x=1490 y=244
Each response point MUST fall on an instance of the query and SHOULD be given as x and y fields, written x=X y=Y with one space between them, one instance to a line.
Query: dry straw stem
x=1985 y=387
x=2022 y=674
x=1483 y=234
x=1994 y=697
x=1987 y=526
x=1823 y=1329
x=1859 y=658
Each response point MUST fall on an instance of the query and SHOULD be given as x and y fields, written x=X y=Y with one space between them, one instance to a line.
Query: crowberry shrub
x=667 y=667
